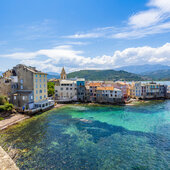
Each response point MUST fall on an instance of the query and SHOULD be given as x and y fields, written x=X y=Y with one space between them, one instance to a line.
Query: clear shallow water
x=94 y=137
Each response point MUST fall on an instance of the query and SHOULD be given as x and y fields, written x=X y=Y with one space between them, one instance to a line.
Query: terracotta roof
x=105 y=88
x=95 y=84
x=121 y=83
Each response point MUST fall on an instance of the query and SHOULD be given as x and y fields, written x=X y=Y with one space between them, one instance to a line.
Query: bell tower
x=63 y=74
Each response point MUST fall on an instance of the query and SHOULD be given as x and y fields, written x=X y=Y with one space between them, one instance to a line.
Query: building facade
x=28 y=87
x=109 y=95
x=66 y=91
x=150 y=90
x=93 y=90
x=81 y=91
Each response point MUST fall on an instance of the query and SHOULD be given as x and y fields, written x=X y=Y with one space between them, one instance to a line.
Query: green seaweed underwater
x=94 y=137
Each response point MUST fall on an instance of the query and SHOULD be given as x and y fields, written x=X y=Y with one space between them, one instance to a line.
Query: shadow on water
x=103 y=130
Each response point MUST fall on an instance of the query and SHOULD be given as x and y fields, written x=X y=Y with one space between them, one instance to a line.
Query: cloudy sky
x=86 y=34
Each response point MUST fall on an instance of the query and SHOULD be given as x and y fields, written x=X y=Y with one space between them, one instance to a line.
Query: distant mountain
x=105 y=75
x=52 y=75
x=139 y=69
x=158 y=75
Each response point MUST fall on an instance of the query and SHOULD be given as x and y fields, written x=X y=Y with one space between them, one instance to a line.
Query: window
x=23 y=97
x=44 y=85
x=40 y=91
x=36 y=91
x=37 y=98
x=40 y=85
x=67 y=88
x=15 y=97
x=45 y=91
x=36 y=86
x=31 y=97
x=44 y=76
x=21 y=87
x=36 y=80
x=44 y=96
x=21 y=81
x=44 y=80
x=40 y=97
x=40 y=80
x=61 y=88
x=36 y=75
x=70 y=88
x=39 y=75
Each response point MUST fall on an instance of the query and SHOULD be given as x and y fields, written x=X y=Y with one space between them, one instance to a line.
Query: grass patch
x=1 y=118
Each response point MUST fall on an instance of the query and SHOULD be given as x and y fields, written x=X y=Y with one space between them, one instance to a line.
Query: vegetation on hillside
x=105 y=75
x=163 y=75
x=50 y=87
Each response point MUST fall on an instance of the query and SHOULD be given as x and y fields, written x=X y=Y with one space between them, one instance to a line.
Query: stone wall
x=6 y=163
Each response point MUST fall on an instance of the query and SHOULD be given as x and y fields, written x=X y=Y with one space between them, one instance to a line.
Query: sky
x=84 y=34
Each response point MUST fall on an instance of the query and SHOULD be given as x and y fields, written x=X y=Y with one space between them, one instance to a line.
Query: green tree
x=50 y=86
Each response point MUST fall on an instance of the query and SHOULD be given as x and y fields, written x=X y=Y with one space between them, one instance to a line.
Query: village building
x=109 y=95
x=150 y=90
x=81 y=90
x=27 y=87
x=66 y=91
x=93 y=89
x=124 y=87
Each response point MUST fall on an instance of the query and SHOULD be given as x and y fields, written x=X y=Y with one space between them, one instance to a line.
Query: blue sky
x=86 y=34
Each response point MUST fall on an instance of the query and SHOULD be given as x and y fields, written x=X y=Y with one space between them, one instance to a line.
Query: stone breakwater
x=6 y=163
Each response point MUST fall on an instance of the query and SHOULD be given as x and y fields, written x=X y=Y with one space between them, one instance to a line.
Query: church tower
x=63 y=74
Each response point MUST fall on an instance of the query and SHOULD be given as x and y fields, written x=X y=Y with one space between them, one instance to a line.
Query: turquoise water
x=94 y=137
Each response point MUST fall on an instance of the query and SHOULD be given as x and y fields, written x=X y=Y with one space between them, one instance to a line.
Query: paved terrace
x=6 y=163
x=12 y=120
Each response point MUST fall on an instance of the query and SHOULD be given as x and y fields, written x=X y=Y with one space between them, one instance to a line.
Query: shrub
x=6 y=107
x=3 y=100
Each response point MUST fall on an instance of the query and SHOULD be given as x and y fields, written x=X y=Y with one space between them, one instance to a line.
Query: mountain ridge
x=105 y=75
x=140 y=69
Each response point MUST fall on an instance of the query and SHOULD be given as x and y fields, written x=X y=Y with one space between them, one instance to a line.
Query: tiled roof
x=105 y=88
x=121 y=83
x=95 y=84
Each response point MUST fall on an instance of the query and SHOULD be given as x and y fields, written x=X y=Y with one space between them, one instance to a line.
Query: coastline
x=17 y=118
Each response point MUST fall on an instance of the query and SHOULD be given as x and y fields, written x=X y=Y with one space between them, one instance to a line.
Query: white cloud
x=86 y=35
x=52 y=60
x=154 y=20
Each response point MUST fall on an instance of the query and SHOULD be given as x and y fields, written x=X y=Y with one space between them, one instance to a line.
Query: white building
x=66 y=90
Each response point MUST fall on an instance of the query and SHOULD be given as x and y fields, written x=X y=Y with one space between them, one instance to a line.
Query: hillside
x=140 y=69
x=104 y=75
x=158 y=75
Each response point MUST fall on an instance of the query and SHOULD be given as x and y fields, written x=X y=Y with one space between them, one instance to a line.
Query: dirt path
x=12 y=120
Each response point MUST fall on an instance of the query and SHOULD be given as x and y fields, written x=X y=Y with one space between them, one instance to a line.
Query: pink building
x=124 y=87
